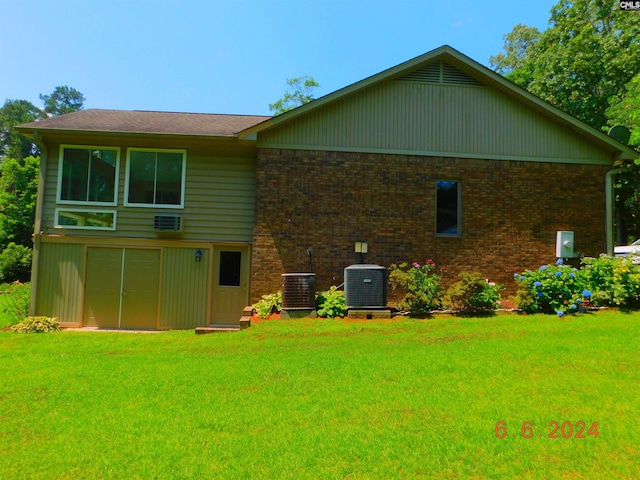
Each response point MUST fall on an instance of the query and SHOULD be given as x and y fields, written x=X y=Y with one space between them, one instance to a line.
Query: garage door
x=121 y=288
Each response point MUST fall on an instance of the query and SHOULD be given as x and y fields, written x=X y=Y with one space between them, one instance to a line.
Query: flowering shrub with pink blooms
x=415 y=287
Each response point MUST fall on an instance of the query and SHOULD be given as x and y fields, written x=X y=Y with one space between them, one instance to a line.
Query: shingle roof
x=137 y=121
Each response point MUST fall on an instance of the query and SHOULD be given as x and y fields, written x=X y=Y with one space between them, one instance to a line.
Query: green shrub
x=331 y=303
x=524 y=299
x=15 y=301
x=36 y=325
x=415 y=287
x=15 y=263
x=271 y=303
x=555 y=288
x=602 y=281
x=473 y=294
x=613 y=281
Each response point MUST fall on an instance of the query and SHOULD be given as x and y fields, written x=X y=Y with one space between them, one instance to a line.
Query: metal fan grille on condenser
x=298 y=291
x=365 y=286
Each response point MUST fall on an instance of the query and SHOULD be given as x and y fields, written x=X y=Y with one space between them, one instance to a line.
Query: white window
x=448 y=208
x=88 y=175
x=155 y=178
x=80 y=218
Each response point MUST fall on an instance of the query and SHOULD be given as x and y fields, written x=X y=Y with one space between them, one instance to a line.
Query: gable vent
x=427 y=74
x=439 y=73
x=167 y=223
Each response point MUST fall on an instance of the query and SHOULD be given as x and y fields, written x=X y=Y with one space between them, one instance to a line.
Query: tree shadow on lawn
x=446 y=313
x=623 y=309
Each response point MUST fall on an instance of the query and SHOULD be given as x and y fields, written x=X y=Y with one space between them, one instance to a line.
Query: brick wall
x=326 y=201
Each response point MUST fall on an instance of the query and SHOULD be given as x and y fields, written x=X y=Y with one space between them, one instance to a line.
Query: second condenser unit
x=365 y=286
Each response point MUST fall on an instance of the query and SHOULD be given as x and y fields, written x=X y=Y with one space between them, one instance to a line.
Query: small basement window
x=448 y=208
x=86 y=219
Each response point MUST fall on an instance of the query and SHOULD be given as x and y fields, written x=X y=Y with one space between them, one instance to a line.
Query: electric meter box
x=564 y=244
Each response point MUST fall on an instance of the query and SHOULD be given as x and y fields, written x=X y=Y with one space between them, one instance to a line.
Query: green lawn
x=14 y=299
x=5 y=318
x=326 y=399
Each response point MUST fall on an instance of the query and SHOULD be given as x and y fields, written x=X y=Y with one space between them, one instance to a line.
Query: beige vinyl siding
x=184 y=288
x=429 y=119
x=219 y=198
x=60 y=274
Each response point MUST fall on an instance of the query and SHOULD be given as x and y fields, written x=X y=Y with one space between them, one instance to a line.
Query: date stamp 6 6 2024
x=555 y=429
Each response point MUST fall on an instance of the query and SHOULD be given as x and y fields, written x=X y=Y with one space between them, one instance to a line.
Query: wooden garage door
x=102 y=287
x=121 y=288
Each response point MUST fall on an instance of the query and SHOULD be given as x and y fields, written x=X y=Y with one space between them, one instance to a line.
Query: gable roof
x=145 y=122
x=473 y=71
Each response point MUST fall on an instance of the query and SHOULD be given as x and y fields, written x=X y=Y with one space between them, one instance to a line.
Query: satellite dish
x=620 y=133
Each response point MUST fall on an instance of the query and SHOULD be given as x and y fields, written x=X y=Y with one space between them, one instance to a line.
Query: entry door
x=230 y=282
x=121 y=287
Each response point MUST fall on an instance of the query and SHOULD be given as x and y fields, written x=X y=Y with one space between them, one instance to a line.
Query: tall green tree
x=625 y=110
x=15 y=112
x=18 y=190
x=514 y=63
x=12 y=144
x=627 y=202
x=586 y=63
x=583 y=61
x=587 y=57
x=63 y=100
x=301 y=92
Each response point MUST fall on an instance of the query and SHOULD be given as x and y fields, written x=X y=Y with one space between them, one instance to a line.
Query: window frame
x=57 y=225
x=116 y=179
x=182 y=179
x=459 y=209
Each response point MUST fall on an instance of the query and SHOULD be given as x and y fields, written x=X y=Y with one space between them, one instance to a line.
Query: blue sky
x=232 y=56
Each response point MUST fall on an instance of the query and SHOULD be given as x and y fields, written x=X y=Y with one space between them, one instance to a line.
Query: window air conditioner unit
x=167 y=223
x=365 y=286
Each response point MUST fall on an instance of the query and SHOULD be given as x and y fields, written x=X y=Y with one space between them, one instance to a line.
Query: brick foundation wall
x=326 y=201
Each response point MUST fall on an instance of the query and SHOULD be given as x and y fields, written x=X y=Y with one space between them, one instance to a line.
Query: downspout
x=37 y=227
x=609 y=208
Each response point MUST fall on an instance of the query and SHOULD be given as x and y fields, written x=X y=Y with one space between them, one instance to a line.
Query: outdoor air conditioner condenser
x=365 y=286
x=298 y=291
